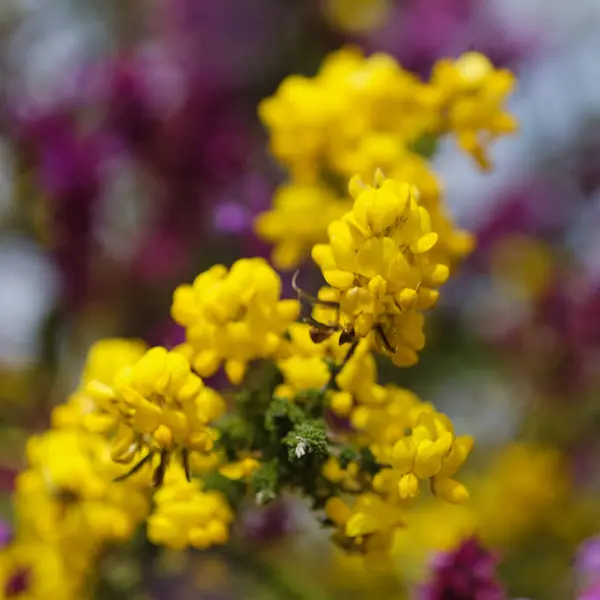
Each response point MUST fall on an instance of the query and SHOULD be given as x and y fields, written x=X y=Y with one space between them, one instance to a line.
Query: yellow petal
x=424 y=243
x=450 y=490
x=408 y=486
x=361 y=524
x=342 y=280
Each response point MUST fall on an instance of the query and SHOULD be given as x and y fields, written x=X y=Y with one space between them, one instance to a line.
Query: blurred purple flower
x=419 y=32
x=66 y=163
x=190 y=142
x=466 y=573
x=268 y=523
x=5 y=534
x=532 y=208
x=587 y=566
x=17 y=583
x=590 y=593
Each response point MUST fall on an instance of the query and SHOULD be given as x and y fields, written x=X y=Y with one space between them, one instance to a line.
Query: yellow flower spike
x=379 y=255
x=474 y=94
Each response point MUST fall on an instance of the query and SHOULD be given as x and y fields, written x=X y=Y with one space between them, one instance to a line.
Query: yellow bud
x=424 y=243
x=235 y=371
x=377 y=286
x=342 y=280
x=406 y=298
x=163 y=436
x=356 y=186
x=450 y=490
x=360 y=524
x=408 y=486
x=337 y=510
x=341 y=403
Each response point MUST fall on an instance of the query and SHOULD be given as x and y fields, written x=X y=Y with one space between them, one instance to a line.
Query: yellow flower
x=155 y=406
x=105 y=358
x=185 y=515
x=367 y=527
x=298 y=219
x=453 y=243
x=305 y=368
x=356 y=114
x=68 y=492
x=346 y=478
x=233 y=317
x=473 y=97
x=534 y=481
x=428 y=451
x=36 y=570
x=381 y=268
x=240 y=469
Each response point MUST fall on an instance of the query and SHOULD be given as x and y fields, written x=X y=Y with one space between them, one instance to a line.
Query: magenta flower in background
x=466 y=573
x=590 y=593
x=264 y=524
x=587 y=567
x=419 y=32
x=66 y=165
x=5 y=534
x=588 y=558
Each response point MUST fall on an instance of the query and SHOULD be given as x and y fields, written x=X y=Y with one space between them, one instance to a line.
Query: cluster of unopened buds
x=144 y=438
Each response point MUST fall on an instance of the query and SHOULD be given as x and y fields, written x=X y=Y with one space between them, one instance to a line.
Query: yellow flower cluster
x=297 y=220
x=35 y=570
x=105 y=358
x=75 y=498
x=430 y=451
x=473 y=94
x=410 y=441
x=185 y=515
x=155 y=406
x=305 y=368
x=68 y=490
x=369 y=526
x=381 y=268
x=107 y=465
x=523 y=488
x=362 y=113
x=67 y=504
x=233 y=317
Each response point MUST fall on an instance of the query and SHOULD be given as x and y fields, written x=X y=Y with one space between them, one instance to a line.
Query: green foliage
x=265 y=481
x=307 y=437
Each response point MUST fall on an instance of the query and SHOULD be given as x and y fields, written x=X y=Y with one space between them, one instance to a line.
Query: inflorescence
x=144 y=440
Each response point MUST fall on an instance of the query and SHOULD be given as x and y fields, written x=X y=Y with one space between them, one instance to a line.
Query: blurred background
x=132 y=158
